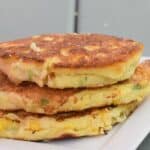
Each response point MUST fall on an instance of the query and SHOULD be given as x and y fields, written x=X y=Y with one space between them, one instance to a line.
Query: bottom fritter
x=34 y=127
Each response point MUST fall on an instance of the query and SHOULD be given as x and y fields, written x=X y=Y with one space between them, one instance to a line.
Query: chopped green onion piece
x=44 y=101
x=30 y=75
x=137 y=87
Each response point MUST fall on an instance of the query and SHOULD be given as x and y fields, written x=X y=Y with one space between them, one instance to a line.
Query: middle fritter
x=31 y=98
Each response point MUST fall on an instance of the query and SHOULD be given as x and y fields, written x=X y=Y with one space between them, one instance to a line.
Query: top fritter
x=70 y=60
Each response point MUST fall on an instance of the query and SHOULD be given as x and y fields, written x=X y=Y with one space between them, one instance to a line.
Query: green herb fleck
x=44 y=101
x=137 y=87
x=85 y=78
x=114 y=120
x=122 y=114
x=30 y=75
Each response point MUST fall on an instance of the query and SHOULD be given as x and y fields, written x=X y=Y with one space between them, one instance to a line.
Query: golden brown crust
x=60 y=117
x=142 y=72
x=73 y=50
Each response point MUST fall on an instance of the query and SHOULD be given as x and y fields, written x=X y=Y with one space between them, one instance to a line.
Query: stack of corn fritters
x=69 y=85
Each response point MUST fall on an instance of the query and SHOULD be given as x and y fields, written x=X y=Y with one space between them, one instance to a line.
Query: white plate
x=125 y=136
